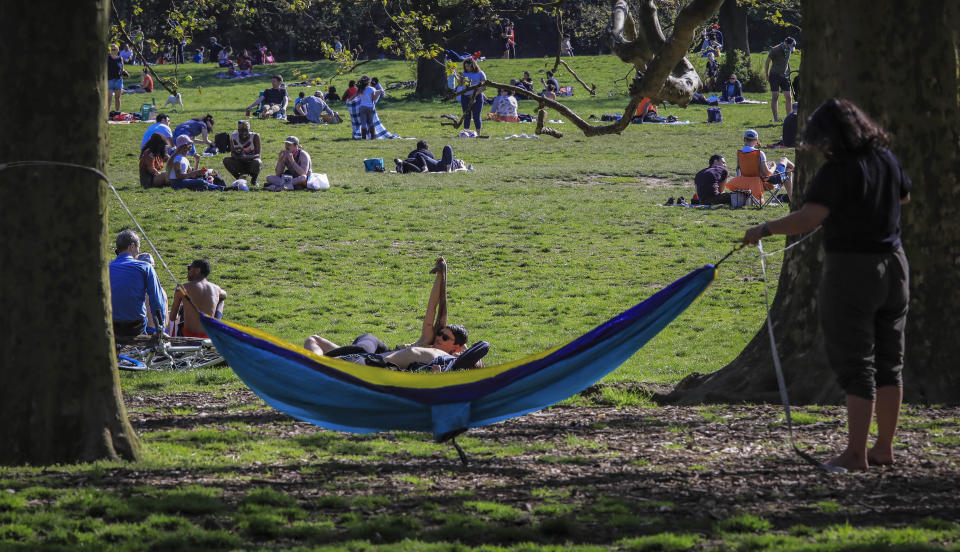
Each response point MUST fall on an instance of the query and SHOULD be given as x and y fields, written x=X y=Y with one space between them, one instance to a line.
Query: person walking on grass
x=864 y=291
x=777 y=69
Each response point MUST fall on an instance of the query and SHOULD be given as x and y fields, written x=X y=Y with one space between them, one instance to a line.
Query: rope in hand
x=781 y=381
x=103 y=177
x=778 y=367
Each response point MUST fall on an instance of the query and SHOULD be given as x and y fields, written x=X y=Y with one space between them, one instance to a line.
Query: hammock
x=339 y=395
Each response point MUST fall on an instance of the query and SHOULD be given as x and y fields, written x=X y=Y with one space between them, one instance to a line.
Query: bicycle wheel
x=130 y=364
x=209 y=358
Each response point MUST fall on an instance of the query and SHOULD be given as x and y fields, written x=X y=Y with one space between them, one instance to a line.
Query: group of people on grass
x=754 y=174
x=139 y=303
x=165 y=157
x=856 y=196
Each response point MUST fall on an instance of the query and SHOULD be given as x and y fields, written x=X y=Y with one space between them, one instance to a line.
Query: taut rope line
x=99 y=173
x=781 y=382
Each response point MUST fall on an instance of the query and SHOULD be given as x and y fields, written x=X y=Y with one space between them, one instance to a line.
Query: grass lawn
x=546 y=239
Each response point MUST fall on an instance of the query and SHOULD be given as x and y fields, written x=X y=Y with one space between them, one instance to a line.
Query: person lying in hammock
x=439 y=342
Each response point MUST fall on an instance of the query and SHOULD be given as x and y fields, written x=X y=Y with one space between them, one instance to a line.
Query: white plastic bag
x=318 y=181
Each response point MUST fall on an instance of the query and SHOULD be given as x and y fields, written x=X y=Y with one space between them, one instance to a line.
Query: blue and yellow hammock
x=343 y=396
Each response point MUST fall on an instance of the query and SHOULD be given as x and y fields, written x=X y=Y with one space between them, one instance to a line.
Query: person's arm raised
x=436 y=305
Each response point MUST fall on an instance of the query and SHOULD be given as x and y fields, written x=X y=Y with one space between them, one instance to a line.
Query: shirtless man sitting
x=204 y=295
x=437 y=338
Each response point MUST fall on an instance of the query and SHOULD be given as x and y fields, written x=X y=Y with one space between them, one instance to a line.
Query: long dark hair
x=156 y=146
x=208 y=120
x=839 y=128
x=363 y=83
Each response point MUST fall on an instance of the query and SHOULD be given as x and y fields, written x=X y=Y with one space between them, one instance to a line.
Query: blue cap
x=751 y=135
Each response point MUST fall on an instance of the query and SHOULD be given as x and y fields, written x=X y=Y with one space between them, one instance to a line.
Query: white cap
x=184 y=140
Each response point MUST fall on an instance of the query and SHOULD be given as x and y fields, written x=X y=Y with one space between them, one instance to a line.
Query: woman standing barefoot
x=864 y=291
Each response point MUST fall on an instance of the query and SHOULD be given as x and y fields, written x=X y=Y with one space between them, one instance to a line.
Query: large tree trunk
x=60 y=397
x=913 y=95
x=431 y=77
x=733 y=25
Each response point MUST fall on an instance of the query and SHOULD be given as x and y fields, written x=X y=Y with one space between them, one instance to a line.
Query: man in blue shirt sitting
x=131 y=282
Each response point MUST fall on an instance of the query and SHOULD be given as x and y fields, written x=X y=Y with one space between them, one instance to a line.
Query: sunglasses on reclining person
x=444 y=337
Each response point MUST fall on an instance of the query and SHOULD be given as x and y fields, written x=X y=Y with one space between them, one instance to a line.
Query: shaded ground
x=589 y=474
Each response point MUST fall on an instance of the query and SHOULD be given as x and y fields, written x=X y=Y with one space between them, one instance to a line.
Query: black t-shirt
x=863 y=193
x=114 y=67
x=790 y=130
x=708 y=182
x=274 y=96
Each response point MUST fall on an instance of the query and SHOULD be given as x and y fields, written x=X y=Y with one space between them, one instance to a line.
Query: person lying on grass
x=423 y=160
x=437 y=338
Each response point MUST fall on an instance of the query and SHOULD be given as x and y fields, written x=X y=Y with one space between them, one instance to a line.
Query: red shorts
x=188 y=333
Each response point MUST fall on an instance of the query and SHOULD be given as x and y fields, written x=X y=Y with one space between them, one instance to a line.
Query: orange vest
x=646 y=104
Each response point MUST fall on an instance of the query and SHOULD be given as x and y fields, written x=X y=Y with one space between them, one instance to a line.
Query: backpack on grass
x=222 y=142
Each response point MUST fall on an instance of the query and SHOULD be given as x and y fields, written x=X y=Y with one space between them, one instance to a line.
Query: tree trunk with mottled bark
x=913 y=94
x=60 y=398
x=431 y=78
x=733 y=25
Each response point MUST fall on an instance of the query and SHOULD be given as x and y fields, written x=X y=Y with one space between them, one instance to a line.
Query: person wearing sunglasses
x=437 y=338
x=732 y=90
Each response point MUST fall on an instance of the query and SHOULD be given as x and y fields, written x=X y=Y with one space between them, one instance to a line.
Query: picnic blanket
x=380 y=132
x=239 y=75
x=745 y=101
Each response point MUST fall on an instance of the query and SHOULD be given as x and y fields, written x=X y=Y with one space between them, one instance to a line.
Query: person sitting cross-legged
x=132 y=282
x=293 y=168
x=180 y=174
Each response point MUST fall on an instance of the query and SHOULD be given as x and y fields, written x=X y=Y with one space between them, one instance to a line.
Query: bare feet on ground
x=880 y=457
x=849 y=460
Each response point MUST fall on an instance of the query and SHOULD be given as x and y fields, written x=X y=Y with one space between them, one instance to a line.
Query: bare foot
x=849 y=460
x=440 y=266
x=880 y=457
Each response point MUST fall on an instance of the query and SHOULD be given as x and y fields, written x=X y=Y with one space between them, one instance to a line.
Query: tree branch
x=665 y=73
x=172 y=89
x=588 y=129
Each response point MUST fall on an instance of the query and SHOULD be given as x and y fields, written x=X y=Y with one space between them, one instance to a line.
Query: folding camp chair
x=772 y=191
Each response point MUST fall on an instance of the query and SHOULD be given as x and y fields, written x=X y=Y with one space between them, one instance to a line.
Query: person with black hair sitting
x=710 y=182
x=437 y=338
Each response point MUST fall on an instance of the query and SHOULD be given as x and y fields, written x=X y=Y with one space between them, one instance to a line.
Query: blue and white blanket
x=353 y=105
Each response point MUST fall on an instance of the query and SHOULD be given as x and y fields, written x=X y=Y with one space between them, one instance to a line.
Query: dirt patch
x=642 y=182
x=685 y=467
